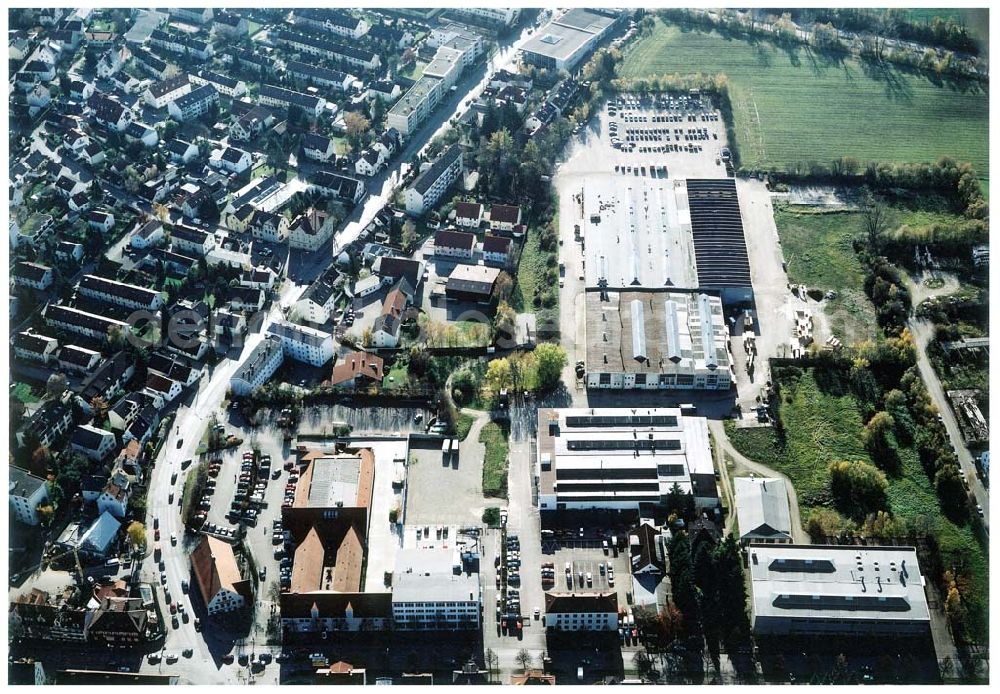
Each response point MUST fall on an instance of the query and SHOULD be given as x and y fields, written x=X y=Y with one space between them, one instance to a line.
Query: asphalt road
x=181 y=443
x=923 y=333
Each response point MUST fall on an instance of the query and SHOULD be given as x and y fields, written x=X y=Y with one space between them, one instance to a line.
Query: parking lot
x=372 y=419
x=446 y=490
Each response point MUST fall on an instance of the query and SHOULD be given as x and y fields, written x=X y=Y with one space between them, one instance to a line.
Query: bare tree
x=875 y=217
x=524 y=659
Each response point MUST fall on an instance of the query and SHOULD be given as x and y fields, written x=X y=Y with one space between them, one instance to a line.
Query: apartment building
x=279 y=97
x=428 y=187
x=120 y=294
x=194 y=104
x=257 y=369
x=302 y=343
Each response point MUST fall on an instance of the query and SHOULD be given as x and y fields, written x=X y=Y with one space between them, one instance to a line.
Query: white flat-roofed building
x=258 y=368
x=303 y=343
x=613 y=458
x=413 y=108
x=431 y=591
x=836 y=590
x=563 y=43
x=762 y=510
x=656 y=339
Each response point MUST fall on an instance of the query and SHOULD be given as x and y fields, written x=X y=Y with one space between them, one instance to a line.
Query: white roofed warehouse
x=836 y=590
x=617 y=458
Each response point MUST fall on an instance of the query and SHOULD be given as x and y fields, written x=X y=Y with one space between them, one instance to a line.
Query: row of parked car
x=251 y=485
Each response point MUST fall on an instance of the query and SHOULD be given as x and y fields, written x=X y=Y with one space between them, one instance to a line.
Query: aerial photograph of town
x=498 y=346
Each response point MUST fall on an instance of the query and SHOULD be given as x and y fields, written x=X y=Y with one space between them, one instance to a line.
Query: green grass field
x=797 y=105
x=494 y=436
x=823 y=424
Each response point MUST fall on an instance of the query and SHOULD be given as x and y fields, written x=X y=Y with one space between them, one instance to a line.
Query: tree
x=950 y=490
x=100 y=407
x=550 y=360
x=682 y=583
x=504 y=323
x=56 y=385
x=408 y=236
x=858 y=488
x=137 y=534
x=524 y=658
x=643 y=664
x=499 y=375
x=874 y=215
x=355 y=125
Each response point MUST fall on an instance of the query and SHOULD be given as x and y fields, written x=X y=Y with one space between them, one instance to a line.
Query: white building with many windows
x=431 y=591
x=303 y=343
x=617 y=458
x=26 y=492
x=258 y=368
x=428 y=187
x=581 y=611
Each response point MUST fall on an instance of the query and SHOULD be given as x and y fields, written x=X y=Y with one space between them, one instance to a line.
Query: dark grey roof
x=130 y=292
x=31 y=342
x=316 y=72
x=233 y=154
x=333 y=17
x=315 y=141
x=89 y=439
x=224 y=80
x=78 y=356
x=720 y=247
x=430 y=176
x=185 y=41
x=205 y=91
x=158 y=89
x=30 y=271
x=332 y=47
x=178 y=147
x=22 y=483
x=288 y=96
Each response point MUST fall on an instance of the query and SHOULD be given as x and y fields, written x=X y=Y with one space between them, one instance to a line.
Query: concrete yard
x=440 y=491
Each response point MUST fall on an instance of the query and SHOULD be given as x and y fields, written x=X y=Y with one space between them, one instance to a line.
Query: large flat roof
x=637 y=232
x=655 y=331
x=427 y=575
x=556 y=41
x=599 y=444
x=837 y=583
x=717 y=230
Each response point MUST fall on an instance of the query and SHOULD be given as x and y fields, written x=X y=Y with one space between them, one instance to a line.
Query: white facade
x=431 y=592
x=500 y=15
x=25 y=492
x=258 y=368
x=303 y=343
x=430 y=185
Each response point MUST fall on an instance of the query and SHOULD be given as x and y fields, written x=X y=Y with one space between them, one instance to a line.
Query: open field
x=822 y=423
x=796 y=105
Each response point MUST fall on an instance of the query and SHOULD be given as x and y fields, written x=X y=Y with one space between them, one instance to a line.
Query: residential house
x=147 y=234
x=310 y=230
x=47 y=425
x=180 y=151
x=179 y=43
x=392 y=269
x=111 y=62
x=329 y=183
x=33 y=275
x=368 y=163
x=385 y=329
x=428 y=187
x=74 y=320
x=384 y=90
x=343 y=53
x=79 y=202
x=96 y=444
x=504 y=217
x=26 y=493
x=120 y=293
x=162 y=388
x=269 y=226
x=335 y=21
x=224 y=84
x=107 y=381
x=231 y=25
x=302 y=343
x=231 y=159
x=217 y=575
x=152 y=64
x=110 y=113
x=114 y=497
x=79 y=359
x=194 y=104
x=357 y=370
x=192 y=15
x=159 y=94
x=476 y=283
x=282 y=98
x=101 y=221
x=245 y=299
x=320 y=76
x=258 y=367
x=318 y=147
x=497 y=250
x=320 y=298
x=30 y=346
x=647 y=550
x=251 y=122
x=258 y=278
x=460 y=245
x=468 y=214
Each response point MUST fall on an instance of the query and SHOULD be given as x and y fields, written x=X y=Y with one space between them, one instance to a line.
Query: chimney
x=863 y=588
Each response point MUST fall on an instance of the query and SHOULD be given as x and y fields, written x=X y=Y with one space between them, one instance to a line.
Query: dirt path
x=799 y=535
